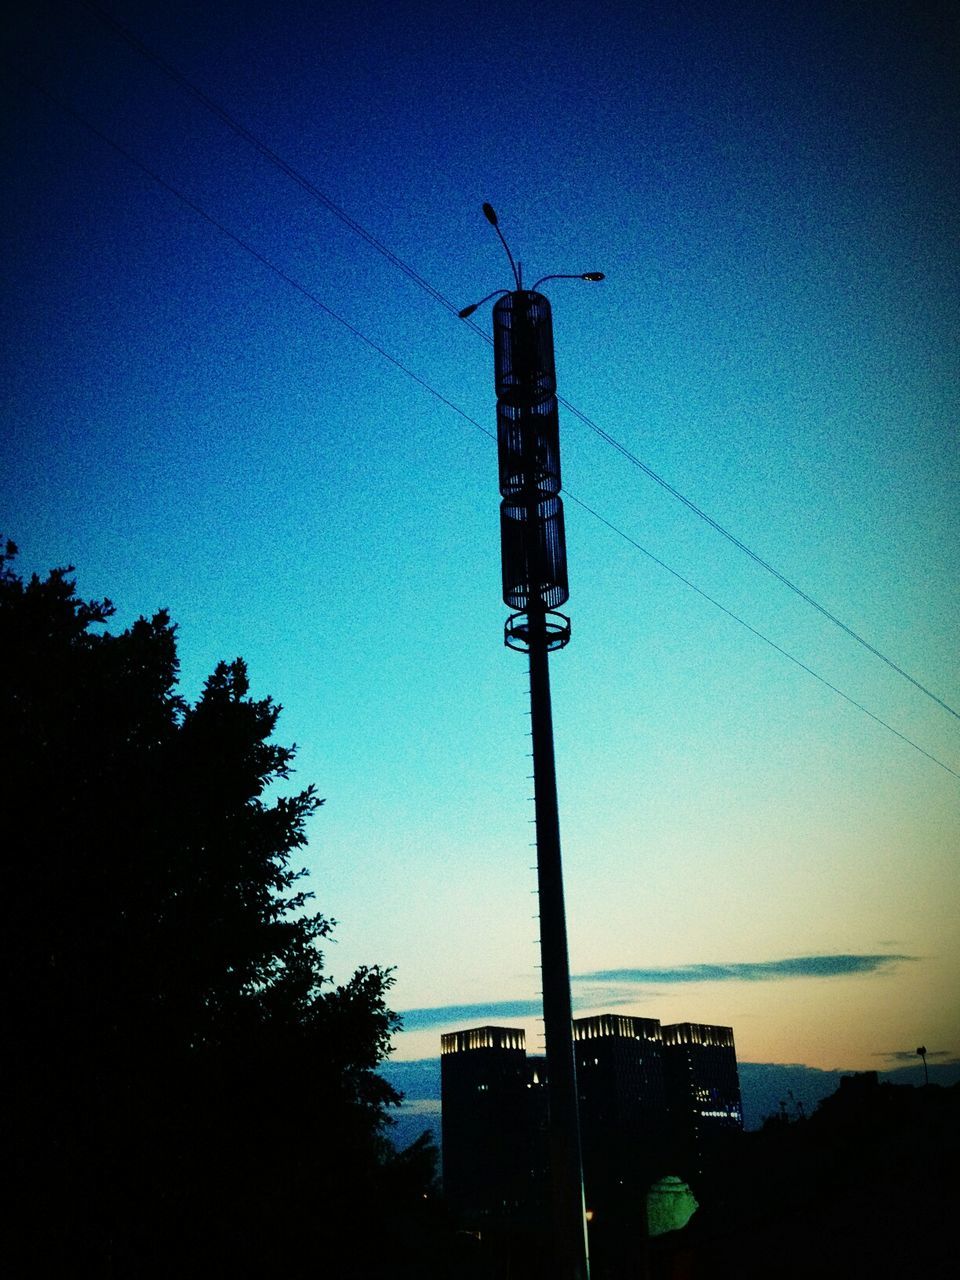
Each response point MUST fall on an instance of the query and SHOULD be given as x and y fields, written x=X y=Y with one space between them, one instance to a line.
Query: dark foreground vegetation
x=184 y=1091
x=863 y=1189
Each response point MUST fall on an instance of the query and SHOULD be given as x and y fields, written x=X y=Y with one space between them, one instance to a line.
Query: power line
x=358 y=229
x=742 y=546
x=426 y=386
x=753 y=631
x=274 y=158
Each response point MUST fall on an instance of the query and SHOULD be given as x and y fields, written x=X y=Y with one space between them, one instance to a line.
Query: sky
x=759 y=816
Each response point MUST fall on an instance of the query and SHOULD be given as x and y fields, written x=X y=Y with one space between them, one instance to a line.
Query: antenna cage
x=523 y=348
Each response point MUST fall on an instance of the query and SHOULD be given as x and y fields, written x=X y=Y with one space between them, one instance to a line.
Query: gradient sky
x=772 y=191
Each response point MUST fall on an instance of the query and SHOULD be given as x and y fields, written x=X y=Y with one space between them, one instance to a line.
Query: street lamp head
x=468 y=311
x=593 y=275
x=491 y=216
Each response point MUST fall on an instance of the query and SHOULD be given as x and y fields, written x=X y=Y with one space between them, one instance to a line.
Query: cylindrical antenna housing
x=532 y=539
x=528 y=445
x=523 y=348
x=534 y=553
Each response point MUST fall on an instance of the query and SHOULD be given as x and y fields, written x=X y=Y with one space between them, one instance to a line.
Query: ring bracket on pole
x=516 y=631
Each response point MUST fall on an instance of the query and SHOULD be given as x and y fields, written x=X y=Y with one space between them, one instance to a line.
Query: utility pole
x=534 y=561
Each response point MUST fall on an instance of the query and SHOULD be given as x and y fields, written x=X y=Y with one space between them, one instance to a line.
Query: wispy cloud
x=613 y=984
x=756 y=971
x=609 y=995
x=429 y=1019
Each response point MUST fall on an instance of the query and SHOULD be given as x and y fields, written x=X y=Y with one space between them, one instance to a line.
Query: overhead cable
x=425 y=385
x=358 y=229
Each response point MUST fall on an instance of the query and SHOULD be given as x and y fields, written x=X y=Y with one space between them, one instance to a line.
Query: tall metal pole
x=566 y=1167
x=534 y=560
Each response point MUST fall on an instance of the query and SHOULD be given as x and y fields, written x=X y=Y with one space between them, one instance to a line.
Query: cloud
x=757 y=971
x=492 y=1011
x=613 y=982
x=442 y=1015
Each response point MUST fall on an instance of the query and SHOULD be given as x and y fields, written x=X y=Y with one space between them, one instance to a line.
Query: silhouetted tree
x=184 y=1090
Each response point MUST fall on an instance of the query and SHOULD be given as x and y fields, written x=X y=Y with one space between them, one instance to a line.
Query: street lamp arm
x=491 y=216
x=579 y=275
x=468 y=311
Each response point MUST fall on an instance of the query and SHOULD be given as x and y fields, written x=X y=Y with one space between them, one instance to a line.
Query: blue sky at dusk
x=772 y=192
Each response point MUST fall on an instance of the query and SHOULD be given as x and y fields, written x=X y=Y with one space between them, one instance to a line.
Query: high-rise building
x=702 y=1091
x=490 y=1122
x=653 y=1100
x=623 y=1129
x=622 y=1105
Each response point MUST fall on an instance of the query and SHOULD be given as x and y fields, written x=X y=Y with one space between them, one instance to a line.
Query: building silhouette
x=702 y=1093
x=493 y=1167
x=654 y=1100
x=623 y=1112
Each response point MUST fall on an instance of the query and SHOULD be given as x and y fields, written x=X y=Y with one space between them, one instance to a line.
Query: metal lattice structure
x=523 y=348
x=533 y=544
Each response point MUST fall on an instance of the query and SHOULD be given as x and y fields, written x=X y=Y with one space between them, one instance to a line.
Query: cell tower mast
x=534 y=558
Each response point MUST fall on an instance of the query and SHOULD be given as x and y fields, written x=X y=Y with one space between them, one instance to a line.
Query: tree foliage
x=184 y=1089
